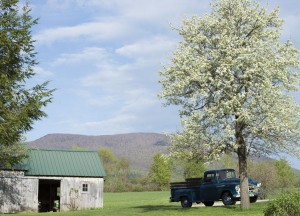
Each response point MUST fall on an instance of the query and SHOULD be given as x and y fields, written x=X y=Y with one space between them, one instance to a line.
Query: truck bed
x=188 y=183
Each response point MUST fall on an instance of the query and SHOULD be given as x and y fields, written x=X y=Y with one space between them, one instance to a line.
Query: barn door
x=49 y=195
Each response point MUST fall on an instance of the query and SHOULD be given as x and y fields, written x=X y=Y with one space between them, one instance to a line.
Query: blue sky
x=103 y=57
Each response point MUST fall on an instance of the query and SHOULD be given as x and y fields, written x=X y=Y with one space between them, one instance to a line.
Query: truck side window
x=210 y=177
x=223 y=174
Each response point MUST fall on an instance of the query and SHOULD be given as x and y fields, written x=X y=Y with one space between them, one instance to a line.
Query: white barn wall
x=19 y=193
x=29 y=194
x=72 y=196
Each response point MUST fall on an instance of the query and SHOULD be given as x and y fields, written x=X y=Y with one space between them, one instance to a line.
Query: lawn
x=155 y=204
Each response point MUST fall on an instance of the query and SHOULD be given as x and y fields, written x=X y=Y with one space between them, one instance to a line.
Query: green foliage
x=226 y=161
x=266 y=173
x=12 y=154
x=286 y=176
x=183 y=169
x=120 y=177
x=160 y=171
x=274 y=175
x=78 y=148
x=117 y=171
x=19 y=106
x=285 y=205
x=193 y=169
x=108 y=158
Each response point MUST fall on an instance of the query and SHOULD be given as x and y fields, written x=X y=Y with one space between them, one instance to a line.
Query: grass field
x=155 y=204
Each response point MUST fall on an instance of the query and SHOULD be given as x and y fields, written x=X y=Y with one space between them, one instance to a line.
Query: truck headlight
x=237 y=187
x=258 y=184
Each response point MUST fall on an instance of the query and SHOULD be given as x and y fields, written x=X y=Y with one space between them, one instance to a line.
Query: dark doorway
x=49 y=195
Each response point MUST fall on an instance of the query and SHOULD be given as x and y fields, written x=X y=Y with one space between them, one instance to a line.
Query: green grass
x=155 y=204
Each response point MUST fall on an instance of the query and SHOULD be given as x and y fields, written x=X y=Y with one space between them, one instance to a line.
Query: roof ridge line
x=65 y=150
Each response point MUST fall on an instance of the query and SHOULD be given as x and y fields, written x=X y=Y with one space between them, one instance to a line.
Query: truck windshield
x=227 y=174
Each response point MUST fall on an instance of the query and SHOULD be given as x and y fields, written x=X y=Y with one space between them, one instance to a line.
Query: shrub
x=285 y=205
x=266 y=173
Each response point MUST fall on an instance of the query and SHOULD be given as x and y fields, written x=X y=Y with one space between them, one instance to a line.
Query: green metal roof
x=42 y=162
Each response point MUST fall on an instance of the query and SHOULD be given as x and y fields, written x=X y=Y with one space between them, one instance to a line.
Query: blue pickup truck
x=221 y=184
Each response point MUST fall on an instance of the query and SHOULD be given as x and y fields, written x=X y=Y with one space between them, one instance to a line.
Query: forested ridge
x=137 y=148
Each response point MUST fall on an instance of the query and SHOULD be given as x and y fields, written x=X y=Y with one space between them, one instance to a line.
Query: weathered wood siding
x=19 y=193
x=73 y=197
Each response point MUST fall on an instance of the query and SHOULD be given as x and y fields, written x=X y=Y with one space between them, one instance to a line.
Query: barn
x=53 y=180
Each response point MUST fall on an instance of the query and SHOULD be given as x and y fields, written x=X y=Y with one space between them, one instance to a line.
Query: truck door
x=208 y=188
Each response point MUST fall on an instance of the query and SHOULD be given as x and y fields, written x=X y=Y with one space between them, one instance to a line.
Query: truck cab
x=220 y=184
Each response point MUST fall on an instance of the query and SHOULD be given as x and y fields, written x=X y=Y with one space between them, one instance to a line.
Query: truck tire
x=209 y=203
x=253 y=199
x=185 y=203
x=227 y=198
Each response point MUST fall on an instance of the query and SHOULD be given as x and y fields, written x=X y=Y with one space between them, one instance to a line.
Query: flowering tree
x=232 y=78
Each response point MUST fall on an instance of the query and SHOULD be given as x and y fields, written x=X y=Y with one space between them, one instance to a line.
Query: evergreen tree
x=20 y=105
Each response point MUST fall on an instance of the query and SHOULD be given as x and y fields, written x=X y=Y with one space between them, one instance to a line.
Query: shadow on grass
x=153 y=208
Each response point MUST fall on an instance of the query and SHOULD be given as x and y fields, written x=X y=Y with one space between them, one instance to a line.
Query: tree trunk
x=242 y=156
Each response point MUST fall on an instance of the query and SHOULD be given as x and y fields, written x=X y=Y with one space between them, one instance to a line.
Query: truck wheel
x=253 y=199
x=209 y=203
x=227 y=198
x=185 y=203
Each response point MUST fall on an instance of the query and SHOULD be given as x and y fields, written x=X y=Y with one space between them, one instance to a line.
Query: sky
x=103 y=57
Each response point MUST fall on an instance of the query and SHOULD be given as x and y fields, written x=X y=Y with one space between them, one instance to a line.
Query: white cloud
x=42 y=73
x=106 y=30
x=68 y=4
x=139 y=111
x=163 y=11
x=138 y=100
x=82 y=93
x=159 y=12
x=108 y=20
x=59 y=4
x=93 y=3
x=108 y=78
x=88 y=54
x=111 y=126
x=103 y=101
x=153 y=47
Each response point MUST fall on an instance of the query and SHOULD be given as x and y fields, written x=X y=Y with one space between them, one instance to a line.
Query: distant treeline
x=274 y=174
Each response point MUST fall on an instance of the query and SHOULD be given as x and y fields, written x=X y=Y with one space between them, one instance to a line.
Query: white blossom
x=232 y=68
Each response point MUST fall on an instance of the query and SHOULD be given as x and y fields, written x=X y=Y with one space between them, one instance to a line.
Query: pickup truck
x=220 y=184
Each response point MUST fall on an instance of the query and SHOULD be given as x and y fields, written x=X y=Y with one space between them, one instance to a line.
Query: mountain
x=137 y=148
